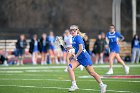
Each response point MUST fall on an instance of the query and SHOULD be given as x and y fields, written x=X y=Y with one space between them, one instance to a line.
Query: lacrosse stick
x=59 y=42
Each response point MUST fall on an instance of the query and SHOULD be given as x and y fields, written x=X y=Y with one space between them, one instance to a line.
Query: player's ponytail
x=78 y=31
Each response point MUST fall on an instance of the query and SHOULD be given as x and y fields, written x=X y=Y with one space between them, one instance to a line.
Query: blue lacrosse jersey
x=136 y=44
x=84 y=58
x=76 y=41
x=113 y=41
x=51 y=40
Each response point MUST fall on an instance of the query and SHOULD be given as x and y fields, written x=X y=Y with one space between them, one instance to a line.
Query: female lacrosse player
x=81 y=58
x=44 y=48
x=21 y=44
x=112 y=38
x=68 y=42
x=34 y=49
x=52 y=52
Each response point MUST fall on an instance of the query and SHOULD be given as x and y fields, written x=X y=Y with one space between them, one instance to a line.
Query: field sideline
x=53 y=79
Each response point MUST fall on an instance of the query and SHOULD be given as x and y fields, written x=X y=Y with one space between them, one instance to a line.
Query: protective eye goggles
x=73 y=30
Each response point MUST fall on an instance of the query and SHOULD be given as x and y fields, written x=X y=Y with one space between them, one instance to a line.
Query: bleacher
x=125 y=47
x=9 y=46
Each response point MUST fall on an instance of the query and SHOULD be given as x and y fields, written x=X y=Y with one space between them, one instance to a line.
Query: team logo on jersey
x=111 y=36
x=74 y=43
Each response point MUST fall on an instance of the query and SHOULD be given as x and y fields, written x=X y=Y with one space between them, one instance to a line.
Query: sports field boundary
x=56 y=67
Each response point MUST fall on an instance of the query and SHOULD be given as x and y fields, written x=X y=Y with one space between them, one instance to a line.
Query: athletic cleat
x=66 y=70
x=126 y=68
x=73 y=88
x=110 y=71
x=5 y=63
x=103 y=88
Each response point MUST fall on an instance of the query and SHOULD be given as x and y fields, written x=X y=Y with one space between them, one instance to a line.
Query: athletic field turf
x=53 y=79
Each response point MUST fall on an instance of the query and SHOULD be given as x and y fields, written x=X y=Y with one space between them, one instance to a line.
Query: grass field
x=53 y=79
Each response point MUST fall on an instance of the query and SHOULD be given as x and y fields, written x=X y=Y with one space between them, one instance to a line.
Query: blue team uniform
x=51 y=41
x=84 y=58
x=44 y=49
x=113 y=38
x=36 y=47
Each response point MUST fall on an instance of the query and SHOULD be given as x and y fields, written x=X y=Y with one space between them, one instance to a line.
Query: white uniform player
x=71 y=51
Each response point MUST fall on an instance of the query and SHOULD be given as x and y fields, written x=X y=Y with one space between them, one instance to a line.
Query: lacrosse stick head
x=59 y=41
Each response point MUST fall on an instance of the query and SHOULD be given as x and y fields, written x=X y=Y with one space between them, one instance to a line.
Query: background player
x=113 y=39
x=44 y=43
x=21 y=44
x=34 y=48
x=52 y=54
x=68 y=42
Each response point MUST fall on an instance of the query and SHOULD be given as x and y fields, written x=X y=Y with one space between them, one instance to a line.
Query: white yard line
x=21 y=74
x=55 y=67
x=8 y=71
x=60 y=88
x=21 y=71
x=44 y=70
x=34 y=67
x=11 y=79
x=106 y=76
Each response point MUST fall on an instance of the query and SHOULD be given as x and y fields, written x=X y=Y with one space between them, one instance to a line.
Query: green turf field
x=53 y=79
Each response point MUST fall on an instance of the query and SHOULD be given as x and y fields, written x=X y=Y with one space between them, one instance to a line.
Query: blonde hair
x=78 y=31
x=81 y=33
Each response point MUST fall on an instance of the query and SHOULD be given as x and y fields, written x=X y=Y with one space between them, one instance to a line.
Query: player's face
x=99 y=36
x=103 y=35
x=136 y=36
x=35 y=37
x=67 y=32
x=51 y=34
x=44 y=36
x=73 y=32
x=22 y=37
x=112 y=29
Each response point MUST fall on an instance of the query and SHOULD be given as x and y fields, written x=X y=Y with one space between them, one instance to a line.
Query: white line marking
x=54 y=67
x=21 y=74
x=34 y=67
x=8 y=71
x=11 y=79
x=1 y=79
x=59 y=88
x=110 y=77
x=44 y=71
x=11 y=71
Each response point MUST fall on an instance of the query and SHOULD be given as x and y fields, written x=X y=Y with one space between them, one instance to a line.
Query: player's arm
x=120 y=36
x=70 y=40
x=79 y=51
x=107 y=40
x=68 y=48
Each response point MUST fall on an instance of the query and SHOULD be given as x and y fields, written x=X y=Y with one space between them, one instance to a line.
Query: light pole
x=116 y=14
x=134 y=17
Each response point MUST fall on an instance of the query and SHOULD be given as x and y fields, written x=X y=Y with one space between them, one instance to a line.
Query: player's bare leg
x=101 y=58
x=111 y=59
x=91 y=71
x=68 y=60
x=73 y=64
x=126 y=68
x=97 y=58
x=43 y=58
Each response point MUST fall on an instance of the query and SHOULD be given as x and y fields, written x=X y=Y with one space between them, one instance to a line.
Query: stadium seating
x=9 y=46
